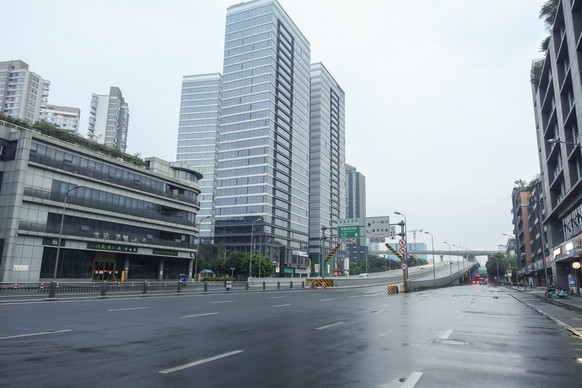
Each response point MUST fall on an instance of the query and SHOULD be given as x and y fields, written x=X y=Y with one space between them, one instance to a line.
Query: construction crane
x=414 y=240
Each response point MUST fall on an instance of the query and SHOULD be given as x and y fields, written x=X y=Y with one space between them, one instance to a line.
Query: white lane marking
x=330 y=325
x=412 y=380
x=222 y=301
x=385 y=333
x=461 y=316
x=277 y=297
x=281 y=305
x=198 y=315
x=377 y=311
x=35 y=334
x=325 y=300
x=205 y=360
x=446 y=334
x=356 y=296
x=130 y=308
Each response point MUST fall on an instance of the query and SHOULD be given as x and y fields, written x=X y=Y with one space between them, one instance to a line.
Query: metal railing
x=54 y=289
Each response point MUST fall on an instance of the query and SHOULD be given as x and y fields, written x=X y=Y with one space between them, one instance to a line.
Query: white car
x=363 y=275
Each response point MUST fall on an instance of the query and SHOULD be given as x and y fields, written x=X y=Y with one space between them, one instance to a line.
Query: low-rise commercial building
x=121 y=220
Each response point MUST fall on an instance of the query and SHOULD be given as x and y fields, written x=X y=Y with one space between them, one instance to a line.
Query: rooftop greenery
x=51 y=130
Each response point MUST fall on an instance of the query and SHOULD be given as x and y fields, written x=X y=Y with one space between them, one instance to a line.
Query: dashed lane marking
x=197 y=315
x=35 y=334
x=281 y=305
x=222 y=301
x=203 y=361
x=412 y=380
x=330 y=325
x=446 y=334
x=129 y=308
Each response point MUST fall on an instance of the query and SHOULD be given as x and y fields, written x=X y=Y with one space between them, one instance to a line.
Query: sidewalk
x=574 y=303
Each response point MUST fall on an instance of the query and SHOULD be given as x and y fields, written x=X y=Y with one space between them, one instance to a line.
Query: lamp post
x=251 y=251
x=450 y=262
x=458 y=265
x=198 y=248
x=558 y=141
x=61 y=229
x=511 y=237
x=405 y=235
x=321 y=262
x=433 y=264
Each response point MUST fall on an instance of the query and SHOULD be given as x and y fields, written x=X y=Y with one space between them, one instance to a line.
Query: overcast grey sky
x=439 y=113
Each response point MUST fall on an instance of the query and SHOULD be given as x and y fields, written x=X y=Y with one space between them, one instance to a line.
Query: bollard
x=278 y=285
x=303 y=284
x=247 y=286
x=291 y=284
x=264 y=286
x=145 y=288
x=205 y=286
x=52 y=289
x=178 y=287
x=103 y=289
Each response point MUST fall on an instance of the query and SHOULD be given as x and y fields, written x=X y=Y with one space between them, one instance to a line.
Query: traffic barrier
x=392 y=289
x=319 y=283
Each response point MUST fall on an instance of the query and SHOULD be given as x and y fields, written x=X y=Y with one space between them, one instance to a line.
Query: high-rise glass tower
x=327 y=164
x=356 y=208
x=263 y=169
x=198 y=132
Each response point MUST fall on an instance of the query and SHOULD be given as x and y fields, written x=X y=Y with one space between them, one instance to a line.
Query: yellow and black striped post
x=404 y=280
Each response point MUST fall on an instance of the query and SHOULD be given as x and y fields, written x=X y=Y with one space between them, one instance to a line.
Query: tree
x=497 y=264
x=548 y=14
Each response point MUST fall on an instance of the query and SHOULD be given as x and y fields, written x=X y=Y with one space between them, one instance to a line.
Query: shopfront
x=567 y=262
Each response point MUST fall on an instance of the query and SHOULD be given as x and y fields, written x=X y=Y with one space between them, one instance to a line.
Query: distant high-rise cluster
x=25 y=95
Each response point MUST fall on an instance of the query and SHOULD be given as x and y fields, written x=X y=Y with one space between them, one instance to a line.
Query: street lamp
x=450 y=262
x=558 y=141
x=251 y=251
x=433 y=264
x=61 y=229
x=458 y=264
x=321 y=262
x=405 y=234
x=198 y=248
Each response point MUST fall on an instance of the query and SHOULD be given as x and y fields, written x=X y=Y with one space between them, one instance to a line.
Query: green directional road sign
x=348 y=232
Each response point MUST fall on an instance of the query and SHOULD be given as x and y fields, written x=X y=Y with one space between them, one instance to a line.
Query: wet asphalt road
x=468 y=336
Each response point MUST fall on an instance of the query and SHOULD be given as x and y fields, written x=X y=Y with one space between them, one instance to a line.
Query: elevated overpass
x=419 y=277
x=471 y=253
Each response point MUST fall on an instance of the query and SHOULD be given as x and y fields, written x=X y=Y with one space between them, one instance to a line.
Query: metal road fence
x=51 y=290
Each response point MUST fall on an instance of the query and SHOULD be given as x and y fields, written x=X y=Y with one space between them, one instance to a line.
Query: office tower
x=22 y=92
x=198 y=130
x=262 y=201
x=557 y=85
x=63 y=117
x=109 y=119
x=327 y=203
x=356 y=208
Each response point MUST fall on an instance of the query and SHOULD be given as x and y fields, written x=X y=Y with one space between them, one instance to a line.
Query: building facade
x=356 y=208
x=327 y=171
x=114 y=220
x=262 y=198
x=557 y=87
x=22 y=92
x=109 y=119
x=198 y=136
x=63 y=117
